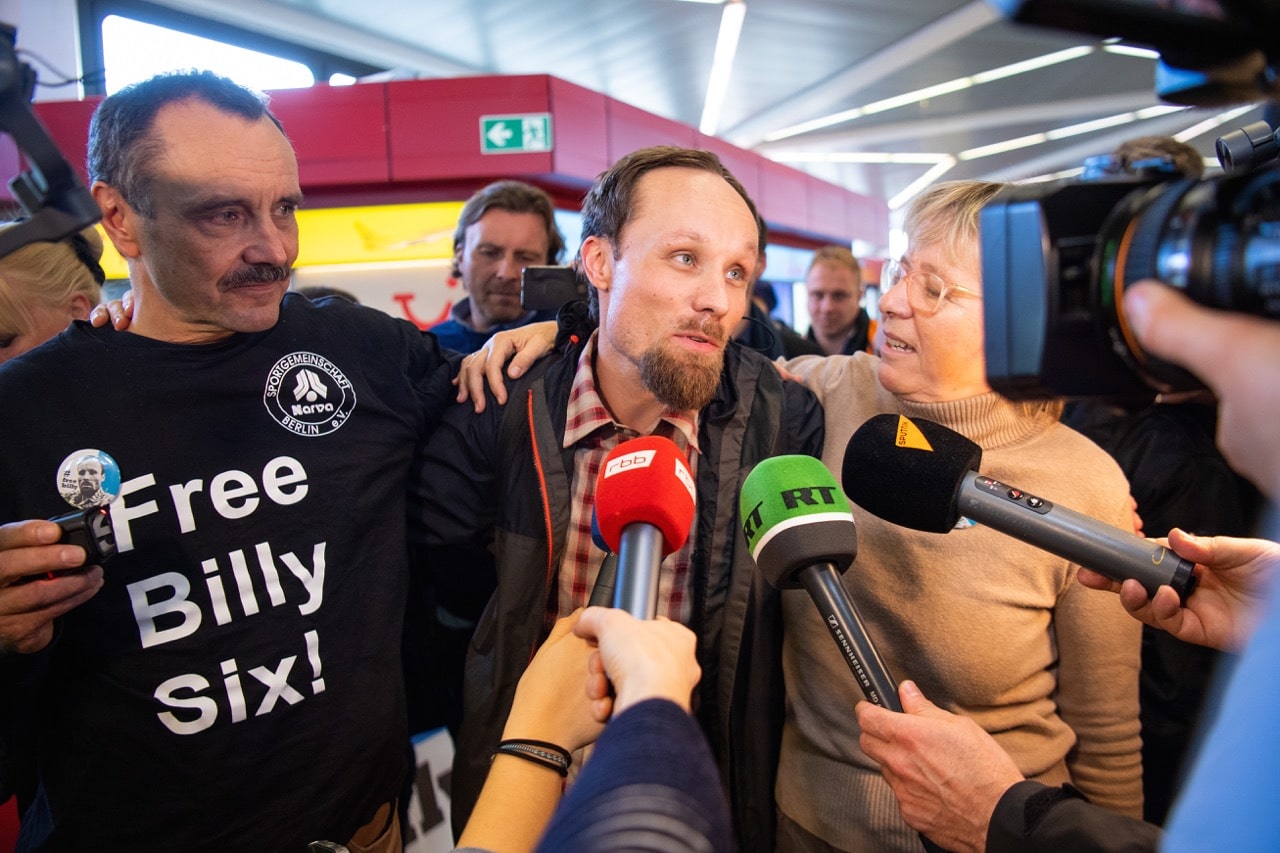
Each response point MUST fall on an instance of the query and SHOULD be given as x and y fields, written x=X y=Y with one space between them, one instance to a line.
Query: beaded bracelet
x=539 y=752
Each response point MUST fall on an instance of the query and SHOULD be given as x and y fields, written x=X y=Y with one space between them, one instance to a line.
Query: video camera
x=54 y=201
x=1057 y=257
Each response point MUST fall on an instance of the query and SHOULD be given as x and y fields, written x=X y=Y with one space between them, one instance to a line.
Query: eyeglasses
x=925 y=291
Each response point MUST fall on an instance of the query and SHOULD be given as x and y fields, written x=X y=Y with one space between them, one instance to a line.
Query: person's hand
x=550 y=704
x=778 y=365
x=1232 y=577
x=644 y=659
x=1231 y=353
x=947 y=773
x=522 y=346
x=28 y=607
x=118 y=312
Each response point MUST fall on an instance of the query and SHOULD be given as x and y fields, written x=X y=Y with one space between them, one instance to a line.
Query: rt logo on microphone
x=792 y=498
x=809 y=496
x=753 y=522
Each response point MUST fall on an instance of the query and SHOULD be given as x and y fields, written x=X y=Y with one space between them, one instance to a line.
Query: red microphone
x=644 y=509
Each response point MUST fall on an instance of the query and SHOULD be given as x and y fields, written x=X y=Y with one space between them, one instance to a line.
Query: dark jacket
x=773 y=338
x=499 y=502
x=459 y=335
x=1034 y=817
x=863 y=337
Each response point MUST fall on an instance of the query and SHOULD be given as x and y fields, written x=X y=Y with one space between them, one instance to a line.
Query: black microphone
x=941 y=468
x=607 y=578
x=644 y=510
x=801 y=534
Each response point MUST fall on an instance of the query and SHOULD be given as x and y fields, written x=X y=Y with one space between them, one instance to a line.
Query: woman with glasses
x=986 y=626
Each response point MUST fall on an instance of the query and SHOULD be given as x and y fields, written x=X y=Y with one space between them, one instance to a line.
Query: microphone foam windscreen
x=645 y=480
x=909 y=472
x=794 y=516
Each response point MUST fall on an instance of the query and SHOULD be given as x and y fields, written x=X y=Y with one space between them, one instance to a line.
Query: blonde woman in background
x=44 y=286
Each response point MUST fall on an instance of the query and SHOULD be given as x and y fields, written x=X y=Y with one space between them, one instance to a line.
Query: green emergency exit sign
x=515 y=134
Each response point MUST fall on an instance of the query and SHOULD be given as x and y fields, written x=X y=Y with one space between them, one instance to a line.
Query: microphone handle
x=606 y=580
x=842 y=620
x=639 y=556
x=1074 y=536
x=838 y=611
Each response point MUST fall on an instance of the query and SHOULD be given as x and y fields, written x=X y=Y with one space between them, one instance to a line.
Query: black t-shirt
x=235 y=685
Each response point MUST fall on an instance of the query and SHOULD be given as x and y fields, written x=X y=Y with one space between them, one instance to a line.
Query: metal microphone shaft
x=1073 y=535
x=639 y=557
x=841 y=617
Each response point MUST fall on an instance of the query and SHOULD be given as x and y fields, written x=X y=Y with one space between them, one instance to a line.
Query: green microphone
x=801 y=534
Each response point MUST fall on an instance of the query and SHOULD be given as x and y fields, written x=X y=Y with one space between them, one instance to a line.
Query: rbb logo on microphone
x=639 y=459
x=645 y=480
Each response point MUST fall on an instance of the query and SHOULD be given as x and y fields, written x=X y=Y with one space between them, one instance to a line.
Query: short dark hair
x=610 y=203
x=121 y=143
x=514 y=197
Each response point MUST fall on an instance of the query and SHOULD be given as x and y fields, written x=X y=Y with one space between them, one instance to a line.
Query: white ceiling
x=797 y=60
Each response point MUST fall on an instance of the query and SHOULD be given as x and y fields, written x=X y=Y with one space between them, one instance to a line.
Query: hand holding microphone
x=801 y=534
x=644 y=511
x=942 y=467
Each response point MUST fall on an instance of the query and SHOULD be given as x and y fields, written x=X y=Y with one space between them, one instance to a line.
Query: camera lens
x=1218 y=241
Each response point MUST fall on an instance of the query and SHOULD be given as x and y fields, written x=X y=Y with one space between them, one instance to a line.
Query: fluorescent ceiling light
x=1212 y=123
x=918 y=95
x=1157 y=111
x=1066 y=132
x=1052 y=176
x=1002 y=147
x=867 y=157
x=722 y=64
x=1090 y=126
x=955 y=85
x=1035 y=63
x=1130 y=50
x=914 y=188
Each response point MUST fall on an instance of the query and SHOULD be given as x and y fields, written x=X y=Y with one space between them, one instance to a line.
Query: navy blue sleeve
x=649 y=785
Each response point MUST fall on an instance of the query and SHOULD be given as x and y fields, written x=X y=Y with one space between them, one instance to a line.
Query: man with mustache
x=669 y=249
x=230 y=680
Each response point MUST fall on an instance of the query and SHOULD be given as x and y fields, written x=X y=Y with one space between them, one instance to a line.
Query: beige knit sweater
x=987 y=626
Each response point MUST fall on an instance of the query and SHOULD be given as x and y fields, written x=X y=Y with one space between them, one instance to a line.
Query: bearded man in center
x=670 y=245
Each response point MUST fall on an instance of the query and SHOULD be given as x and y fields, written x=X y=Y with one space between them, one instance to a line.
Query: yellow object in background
x=356 y=235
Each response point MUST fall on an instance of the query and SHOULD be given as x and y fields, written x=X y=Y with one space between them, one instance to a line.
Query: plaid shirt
x=592 y=432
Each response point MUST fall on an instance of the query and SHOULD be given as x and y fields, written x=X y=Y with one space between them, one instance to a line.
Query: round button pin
x=88 y=478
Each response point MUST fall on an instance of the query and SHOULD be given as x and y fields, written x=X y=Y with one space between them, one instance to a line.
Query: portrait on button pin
x=88 y=478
